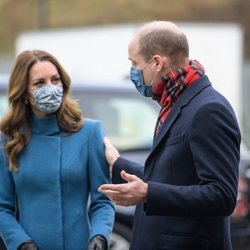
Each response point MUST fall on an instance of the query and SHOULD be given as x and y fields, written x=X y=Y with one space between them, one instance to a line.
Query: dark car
x=240 y=219
x=128 y=120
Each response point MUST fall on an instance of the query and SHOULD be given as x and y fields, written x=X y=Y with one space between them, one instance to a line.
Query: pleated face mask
x=136 y=76
x=48 y=98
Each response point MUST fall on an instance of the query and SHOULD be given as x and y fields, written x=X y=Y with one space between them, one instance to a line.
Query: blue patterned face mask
x=48 y=98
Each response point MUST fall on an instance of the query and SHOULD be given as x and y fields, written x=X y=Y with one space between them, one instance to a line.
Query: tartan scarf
x=172 y=85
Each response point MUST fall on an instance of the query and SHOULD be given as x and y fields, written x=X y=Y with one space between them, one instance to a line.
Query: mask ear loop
x=152 y=82
x=143 y=67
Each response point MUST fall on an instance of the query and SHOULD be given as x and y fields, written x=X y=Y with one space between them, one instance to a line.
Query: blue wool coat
x=58 y=174
x=192 y=173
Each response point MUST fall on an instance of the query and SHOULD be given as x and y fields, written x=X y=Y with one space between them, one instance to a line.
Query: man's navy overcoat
x=192 y=173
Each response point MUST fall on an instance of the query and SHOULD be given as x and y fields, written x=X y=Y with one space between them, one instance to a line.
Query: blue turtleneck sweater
x=57 y=174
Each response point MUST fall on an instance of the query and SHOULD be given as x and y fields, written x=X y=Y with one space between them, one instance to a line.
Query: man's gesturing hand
x=131 y=193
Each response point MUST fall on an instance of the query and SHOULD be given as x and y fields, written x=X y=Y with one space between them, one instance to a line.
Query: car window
x=128 y=121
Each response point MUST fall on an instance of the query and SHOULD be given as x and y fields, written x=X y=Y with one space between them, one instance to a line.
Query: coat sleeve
x=10 y=230
x=101 y=210
x=129 y=166
x=214 y=141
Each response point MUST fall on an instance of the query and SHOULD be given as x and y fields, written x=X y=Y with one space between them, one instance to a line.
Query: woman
x=52 y=162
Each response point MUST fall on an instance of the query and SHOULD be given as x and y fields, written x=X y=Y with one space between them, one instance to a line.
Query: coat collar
x=181 y=101
x=44 y=125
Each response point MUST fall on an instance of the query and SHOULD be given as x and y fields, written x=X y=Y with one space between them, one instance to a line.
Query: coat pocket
x=182 y=242
x=175 y=140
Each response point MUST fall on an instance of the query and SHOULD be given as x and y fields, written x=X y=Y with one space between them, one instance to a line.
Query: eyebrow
x=40 y=79
x=57 y=75
x=130 y=59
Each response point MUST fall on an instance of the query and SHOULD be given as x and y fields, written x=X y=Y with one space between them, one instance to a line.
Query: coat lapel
x=182 y=101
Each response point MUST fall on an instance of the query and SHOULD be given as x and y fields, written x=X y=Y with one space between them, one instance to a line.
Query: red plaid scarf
x=172 y=85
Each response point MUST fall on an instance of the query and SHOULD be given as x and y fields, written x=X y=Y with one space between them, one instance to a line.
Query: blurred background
x=90 y=39
x=17 y=16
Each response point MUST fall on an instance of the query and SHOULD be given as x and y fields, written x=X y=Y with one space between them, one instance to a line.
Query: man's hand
x=128 y=194
x=111 y=153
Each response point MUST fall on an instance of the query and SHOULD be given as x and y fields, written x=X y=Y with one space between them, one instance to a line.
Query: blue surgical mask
x=48 y=98
x=136 y=77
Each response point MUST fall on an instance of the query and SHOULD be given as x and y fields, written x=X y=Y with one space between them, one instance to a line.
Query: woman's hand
x=98 y=242
x=28 y=245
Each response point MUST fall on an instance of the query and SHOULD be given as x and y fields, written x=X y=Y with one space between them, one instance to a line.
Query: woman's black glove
x=28 y=245
x=98 y=242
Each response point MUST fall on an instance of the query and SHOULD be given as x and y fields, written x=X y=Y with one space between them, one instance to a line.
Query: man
x=187 y=189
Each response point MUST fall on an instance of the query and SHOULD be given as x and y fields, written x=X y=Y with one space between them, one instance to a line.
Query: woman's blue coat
x=58 y=178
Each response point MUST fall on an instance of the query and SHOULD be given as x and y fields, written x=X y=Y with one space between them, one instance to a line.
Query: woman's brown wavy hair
x=14 y=125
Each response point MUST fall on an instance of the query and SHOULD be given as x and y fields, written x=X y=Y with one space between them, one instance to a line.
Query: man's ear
x=159 y=61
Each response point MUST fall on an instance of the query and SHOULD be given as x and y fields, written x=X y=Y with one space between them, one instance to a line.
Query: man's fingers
x=110 y=193
x=105 y=187
x=107 y=142
x=110 y=187
x=128 y=177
